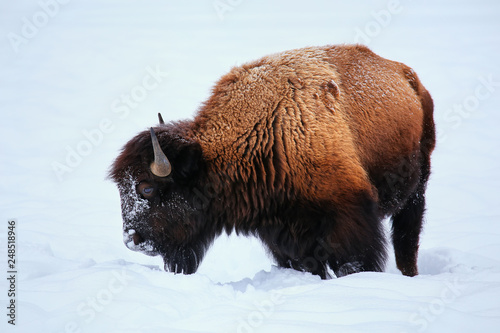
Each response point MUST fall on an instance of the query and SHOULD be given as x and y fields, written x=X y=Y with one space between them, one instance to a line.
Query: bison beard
x=308 y=150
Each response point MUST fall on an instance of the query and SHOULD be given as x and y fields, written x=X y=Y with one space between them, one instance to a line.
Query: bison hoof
x=409 y=271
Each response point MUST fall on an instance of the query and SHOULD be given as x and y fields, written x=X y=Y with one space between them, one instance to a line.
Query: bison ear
x=189 y=163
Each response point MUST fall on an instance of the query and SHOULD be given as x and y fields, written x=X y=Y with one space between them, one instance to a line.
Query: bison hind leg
x=406 y=228
x=407 y=221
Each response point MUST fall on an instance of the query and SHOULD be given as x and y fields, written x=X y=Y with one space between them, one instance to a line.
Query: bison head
x=157 y=174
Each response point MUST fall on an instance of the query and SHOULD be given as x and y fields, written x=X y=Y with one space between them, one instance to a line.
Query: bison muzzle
x=308 y=149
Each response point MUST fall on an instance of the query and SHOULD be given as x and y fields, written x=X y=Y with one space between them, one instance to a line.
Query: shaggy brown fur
x=308 y=149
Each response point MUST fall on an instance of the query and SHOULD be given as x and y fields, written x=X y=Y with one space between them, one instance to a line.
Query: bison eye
x=146 y=190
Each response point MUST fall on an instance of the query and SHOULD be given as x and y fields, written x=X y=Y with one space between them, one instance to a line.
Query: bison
x=308 y=150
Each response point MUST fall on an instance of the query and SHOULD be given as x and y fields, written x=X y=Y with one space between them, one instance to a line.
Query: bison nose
x=137 y=238
x=132 y=238
x=136 y=241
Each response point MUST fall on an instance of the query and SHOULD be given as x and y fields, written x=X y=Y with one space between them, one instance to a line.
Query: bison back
x=323 y=122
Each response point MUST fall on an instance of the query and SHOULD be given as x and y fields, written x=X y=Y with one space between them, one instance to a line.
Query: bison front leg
x=357 y=239
x=302 y=251
x=308 y=263
x=349 y=239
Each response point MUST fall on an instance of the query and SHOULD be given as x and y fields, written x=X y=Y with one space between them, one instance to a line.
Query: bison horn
x=160 y=118
x=160 y=166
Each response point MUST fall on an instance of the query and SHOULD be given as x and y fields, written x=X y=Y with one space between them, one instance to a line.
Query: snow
x=90 y=75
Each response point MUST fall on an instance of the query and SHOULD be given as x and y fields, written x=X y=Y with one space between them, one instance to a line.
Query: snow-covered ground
x=80 y=78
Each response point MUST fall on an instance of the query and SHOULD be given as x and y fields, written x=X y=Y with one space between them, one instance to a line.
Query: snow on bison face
x=162 y=213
